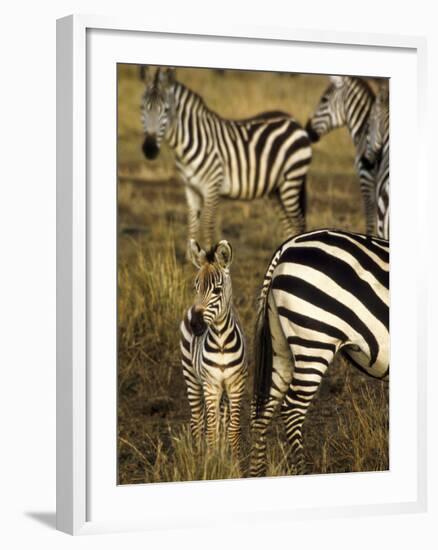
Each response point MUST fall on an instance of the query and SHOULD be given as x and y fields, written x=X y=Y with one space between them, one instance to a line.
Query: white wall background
x=27 y=270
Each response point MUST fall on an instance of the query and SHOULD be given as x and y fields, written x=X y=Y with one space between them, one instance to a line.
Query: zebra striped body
x=348 y=102
x=324 y=292
x=264 y=156
x=377 y=153
x=213 y=350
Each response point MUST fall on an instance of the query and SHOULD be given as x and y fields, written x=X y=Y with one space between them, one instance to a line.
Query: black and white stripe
x=377 y=154
x=213 y=349
x=348 y=102
x=324 y=292
x=267 y=155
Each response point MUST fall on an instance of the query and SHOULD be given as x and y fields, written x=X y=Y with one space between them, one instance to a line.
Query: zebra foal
x=264 y=156
x=348 y=102
x=213 y=349
x=324 y=292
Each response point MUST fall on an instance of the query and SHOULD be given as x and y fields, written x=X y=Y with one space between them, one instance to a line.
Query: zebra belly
x=242 y=188
x=362 y=360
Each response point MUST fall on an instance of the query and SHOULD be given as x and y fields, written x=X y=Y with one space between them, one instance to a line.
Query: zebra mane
x=210 y=255
x=154 y=92
x=362 y=129
x=180 y=89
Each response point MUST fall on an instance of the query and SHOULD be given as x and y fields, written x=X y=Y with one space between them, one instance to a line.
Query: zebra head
x=157 y=109
x=330 y=112
x=212 y=284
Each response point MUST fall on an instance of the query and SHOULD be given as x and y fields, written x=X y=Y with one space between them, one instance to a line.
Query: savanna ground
x=347 y=424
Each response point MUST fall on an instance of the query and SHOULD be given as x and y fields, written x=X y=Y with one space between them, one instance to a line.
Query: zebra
x=377 y=155
x=213 y=350
x=348 y=102
x=264 y=156
x=325 y=291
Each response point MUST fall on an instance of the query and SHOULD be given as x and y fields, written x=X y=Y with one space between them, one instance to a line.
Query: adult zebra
x=213 y=348
x=377 y=154
x=324 y=292
x=348 y=102
x=267 y=155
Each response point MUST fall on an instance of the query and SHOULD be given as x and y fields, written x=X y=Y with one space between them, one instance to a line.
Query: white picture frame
x=80 y=225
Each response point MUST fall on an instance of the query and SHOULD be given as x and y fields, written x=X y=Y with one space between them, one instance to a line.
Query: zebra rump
x=301 y=251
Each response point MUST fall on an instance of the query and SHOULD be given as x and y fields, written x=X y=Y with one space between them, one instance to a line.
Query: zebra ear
x=195 y=253
x=223 y=254
x=167 y=76
x=144 y=73
x=337 y=80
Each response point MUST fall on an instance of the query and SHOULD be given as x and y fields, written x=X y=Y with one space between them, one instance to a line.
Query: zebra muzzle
x=150 y=148
x=313 y=136
x=197 y=323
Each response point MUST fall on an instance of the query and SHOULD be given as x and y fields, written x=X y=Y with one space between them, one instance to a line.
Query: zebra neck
x=192 y=122
x=224 y=327
x=357 y=113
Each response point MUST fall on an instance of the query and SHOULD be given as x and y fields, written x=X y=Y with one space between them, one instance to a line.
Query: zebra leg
x=196 y=402
x=212 y=399
x=194 y=388
x=224 y=412
x=260 y=424
x=291 y=194
x=281 y=377
x=370 y=211
x=234 y=430
x=310 y=366
x=382 y=206
x=194 y=203
x=235 y=396
x=368 y=192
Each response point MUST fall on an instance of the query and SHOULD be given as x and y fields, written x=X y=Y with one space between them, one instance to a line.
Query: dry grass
x=347 y=425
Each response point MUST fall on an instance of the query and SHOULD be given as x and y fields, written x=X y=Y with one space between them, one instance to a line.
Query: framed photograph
x=240 y=253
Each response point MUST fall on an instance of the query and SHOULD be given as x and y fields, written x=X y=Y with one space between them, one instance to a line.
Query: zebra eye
x=217 y=290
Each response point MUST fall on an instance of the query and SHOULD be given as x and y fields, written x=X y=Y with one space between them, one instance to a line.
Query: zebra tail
x=263 y=358
x=303 y=197
x=263 y=341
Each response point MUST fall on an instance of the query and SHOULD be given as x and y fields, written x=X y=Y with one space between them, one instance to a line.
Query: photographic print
x=253 y=274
